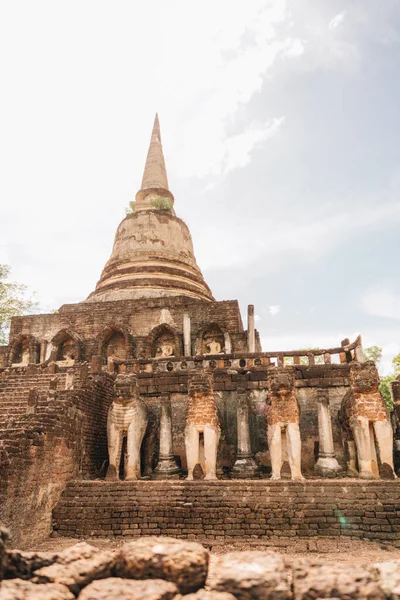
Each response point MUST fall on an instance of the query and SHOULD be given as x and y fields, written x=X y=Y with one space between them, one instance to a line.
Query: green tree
x=373 y=353
x=396 y=364
x=384 y=388
x=14 y=300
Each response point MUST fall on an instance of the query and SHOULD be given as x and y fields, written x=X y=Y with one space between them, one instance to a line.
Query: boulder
x=253 y=574
x=4 y=534
x=77 y=566
x=316 y=579
x=208 y=595
x=182 y=562
x=22 y=565
x=388 y=575
x=129 y=589
x=19 y=589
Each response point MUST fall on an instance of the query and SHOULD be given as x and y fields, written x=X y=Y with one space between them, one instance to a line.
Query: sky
x=280 y=123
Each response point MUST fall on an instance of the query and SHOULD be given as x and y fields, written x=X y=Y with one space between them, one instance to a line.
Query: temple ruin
x=150 y=408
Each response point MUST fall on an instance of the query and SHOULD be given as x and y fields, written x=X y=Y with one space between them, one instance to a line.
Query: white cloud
x=274 y=310
x=338 y=20
x=389 y=351
x=225 y=63
x=238 y=148
x=382 y=300
x=296 y=48
x=309 y=237
x=82 y=81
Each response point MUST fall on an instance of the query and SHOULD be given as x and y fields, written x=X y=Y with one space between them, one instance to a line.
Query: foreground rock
x=24 y=564
x=78 y=566
x=128 y=589
x=19 y=589
x=3 y=556
x=183 y=563
x=388 y=574
x=315 y=579
x=205 y=595
x=248 y=575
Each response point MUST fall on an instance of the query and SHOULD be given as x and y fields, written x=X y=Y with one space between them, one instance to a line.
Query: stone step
x=228 y=510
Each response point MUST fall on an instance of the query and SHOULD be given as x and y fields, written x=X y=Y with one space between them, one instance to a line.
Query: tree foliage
x=14 y=300
x=375 y=353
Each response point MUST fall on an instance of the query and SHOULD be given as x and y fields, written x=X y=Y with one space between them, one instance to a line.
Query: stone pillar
x=96 y=365
x=43 y=350
x=359 y=350
x=69 y=379
x=326 y=465
x=245 y=465
x=228 y=345
x=186 y=335
x=166 y=467
x=251 y=333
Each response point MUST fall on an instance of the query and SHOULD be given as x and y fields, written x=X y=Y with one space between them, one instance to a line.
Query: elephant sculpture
x=127 y=416
x=365 y=421
x=283 y=416
x=202 y=418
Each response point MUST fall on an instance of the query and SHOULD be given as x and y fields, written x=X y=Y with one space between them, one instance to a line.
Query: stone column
x=69 y=379
x=251 y=334
x=359 y=350
x=96 y=364
x=43 y=351
x=186 y=335
x=245 y=465
x=326 y=465
x=228 y=345
x=166 y=467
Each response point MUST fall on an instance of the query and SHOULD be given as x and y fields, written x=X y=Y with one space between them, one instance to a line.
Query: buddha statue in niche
x=165 y=346
x=67 y=352
x=22 y=354
x=213 y=347
x=213 y=341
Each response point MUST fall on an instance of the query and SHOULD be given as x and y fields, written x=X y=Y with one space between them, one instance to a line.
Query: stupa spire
x=153 y=252
x=155 y=180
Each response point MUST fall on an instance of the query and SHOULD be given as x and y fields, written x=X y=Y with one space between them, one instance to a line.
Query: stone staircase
x=263 y=512
x=15 y=391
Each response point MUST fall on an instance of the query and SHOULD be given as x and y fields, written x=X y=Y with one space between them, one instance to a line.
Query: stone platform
x=271 y=513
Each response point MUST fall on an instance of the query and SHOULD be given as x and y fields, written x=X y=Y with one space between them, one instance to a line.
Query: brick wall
x=62 y=435
x=138 y=317
x=272 y=513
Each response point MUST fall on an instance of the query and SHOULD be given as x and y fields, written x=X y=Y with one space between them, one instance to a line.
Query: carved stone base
x=327 y=466
x=166 y=468
x=111 y=474
x=245 y=467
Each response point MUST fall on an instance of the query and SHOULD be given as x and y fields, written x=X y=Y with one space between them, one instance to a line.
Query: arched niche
x=25 y=349
x=66 y=347
x=212 y=340
x=164 y=342
x=115 y=343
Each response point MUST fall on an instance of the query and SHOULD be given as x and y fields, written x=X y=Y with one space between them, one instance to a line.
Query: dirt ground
x=354 y=552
